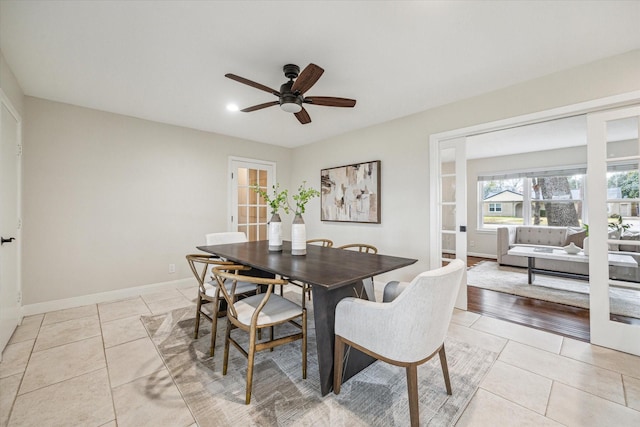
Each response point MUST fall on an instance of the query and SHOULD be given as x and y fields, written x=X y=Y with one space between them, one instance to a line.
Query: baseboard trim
x=61 y=304
x=480 y=255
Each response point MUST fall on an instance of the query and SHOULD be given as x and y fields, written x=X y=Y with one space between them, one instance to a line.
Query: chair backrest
x=360 y=247
x=327 y=243
x=225 y=237
x=422 y=312
x=199 y=264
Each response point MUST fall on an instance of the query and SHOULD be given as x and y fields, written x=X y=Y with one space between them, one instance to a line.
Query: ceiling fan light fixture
x=291 y=104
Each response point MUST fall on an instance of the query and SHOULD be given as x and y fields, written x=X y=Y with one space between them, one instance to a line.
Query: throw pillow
x=629 y=235
x=576 y=236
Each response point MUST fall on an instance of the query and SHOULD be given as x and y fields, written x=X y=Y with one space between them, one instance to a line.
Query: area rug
x=377 y=396
x=513 y=280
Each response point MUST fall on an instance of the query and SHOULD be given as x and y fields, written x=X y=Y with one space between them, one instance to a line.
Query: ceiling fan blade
x=260 y=106
x=303 y=116
x=330 y=101
x=252 y=84
x=307 y=78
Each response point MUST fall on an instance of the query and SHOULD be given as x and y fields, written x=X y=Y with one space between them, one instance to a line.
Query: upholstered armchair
x=406 y=331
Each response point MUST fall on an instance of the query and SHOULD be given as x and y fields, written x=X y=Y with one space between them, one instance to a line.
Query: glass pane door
x=614 y=229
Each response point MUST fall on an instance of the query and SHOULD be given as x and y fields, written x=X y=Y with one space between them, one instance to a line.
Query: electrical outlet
x=172 y=268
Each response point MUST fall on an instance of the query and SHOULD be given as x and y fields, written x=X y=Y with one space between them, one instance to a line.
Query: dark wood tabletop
x=327 y=267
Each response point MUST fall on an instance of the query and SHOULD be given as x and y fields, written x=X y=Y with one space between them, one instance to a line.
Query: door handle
x=9 y=240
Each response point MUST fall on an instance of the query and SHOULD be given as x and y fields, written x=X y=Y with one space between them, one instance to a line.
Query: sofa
x=558 y=237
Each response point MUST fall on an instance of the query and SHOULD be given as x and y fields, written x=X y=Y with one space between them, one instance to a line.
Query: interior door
x=613 y=151
x=449 y=207
x=10 y=153
x=248 y=210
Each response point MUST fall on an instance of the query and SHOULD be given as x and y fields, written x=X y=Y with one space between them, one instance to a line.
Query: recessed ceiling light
x=232 y=107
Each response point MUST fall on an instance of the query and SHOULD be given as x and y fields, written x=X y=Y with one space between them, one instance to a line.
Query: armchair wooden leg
x=445 y=369
x=198 y=306
x=412 y=386
x=338 y=355
x=227 y=340
x=250 y=359
x=214 y=323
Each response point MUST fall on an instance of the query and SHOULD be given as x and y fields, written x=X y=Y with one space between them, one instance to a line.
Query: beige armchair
x=407 y=331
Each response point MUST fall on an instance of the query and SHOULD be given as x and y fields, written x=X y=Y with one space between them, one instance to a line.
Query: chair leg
x=272 y=332
x=214 y=323
x=304 y=344
x=227 y=340
x=412 y=386
x=250 y=360
x=198 y=306
x=445 y=369
x=338 y=355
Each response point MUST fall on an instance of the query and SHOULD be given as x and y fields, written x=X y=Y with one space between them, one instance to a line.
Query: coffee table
x=533 y=252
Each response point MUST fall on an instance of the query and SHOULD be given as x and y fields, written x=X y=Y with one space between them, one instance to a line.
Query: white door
x=248 y=212
x=449 y=207
x=612 y=174
x=10 y=152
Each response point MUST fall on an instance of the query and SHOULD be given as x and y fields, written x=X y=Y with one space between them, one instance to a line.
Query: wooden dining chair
x=209 y=292
x=368 y=282
x=407 y=332
x=327 y=243
x=257 y=312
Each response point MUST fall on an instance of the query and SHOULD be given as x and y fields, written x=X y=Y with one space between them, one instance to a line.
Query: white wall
x=10 y=85
x=110 y=201
x=402 y=146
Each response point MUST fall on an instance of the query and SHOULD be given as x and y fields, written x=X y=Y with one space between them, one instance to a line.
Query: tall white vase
x=275 y=233
x=298 y=236
x=585 y=246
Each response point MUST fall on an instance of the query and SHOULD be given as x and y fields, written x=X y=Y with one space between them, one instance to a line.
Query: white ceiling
x=165 y=60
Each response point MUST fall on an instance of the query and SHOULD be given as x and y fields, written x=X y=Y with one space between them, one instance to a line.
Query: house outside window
x=552 y=197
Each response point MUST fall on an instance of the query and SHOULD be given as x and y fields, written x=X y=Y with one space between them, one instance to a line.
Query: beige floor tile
x=132 y=360
x=15 y=358
x=122 y=330
x=160 y=295
x=124 y=308
x=574 y=407
x=533 y=337
x=190 y=293
x=464 y=318
x=83 y=401
x=162 y=306
x=151 y=400
x=477 y=338
x=110 y=424
x=62 y=363
x=27 y=330
x=592 y=379
x=69 y=314
x=487 y=409
x=624 y=363
x=632 y=392
x=66 y=332
x=8 y=391
x=519 y=386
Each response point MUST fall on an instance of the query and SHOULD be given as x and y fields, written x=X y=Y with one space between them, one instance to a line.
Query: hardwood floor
x=561 y=319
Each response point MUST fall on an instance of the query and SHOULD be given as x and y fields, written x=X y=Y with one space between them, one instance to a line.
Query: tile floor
x=96 y=366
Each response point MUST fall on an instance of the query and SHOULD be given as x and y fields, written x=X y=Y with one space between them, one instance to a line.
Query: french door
x=448 y=166
x=10 y=155
x=613 y=146
x=248 y=211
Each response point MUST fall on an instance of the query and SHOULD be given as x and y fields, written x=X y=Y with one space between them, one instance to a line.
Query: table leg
x=324 y=310
x=531 y=264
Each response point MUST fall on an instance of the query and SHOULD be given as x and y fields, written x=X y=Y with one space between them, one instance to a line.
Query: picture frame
x=351 y=193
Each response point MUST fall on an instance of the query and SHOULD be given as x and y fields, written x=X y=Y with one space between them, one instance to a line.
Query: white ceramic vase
x=275 y=233
x=585 y=246
x=298 y=236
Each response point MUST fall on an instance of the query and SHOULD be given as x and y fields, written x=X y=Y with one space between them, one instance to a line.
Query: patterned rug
x=513 y=280
x=377 y=396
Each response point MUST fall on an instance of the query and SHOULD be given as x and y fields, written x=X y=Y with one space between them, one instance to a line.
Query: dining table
x=332 y=273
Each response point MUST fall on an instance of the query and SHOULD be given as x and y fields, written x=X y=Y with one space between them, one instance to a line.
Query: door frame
x=233 y=196
x=6 y=102
x=435 y=140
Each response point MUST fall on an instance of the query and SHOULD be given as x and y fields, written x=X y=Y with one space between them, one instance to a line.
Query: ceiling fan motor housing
x=289 y=101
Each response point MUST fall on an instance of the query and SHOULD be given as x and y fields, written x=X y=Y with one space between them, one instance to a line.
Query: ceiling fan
x=291 y=94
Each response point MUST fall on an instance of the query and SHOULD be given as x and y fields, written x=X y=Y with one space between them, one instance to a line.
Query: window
x=553 y=197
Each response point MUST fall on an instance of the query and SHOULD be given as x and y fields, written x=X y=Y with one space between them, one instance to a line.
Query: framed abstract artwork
x=351 y=193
